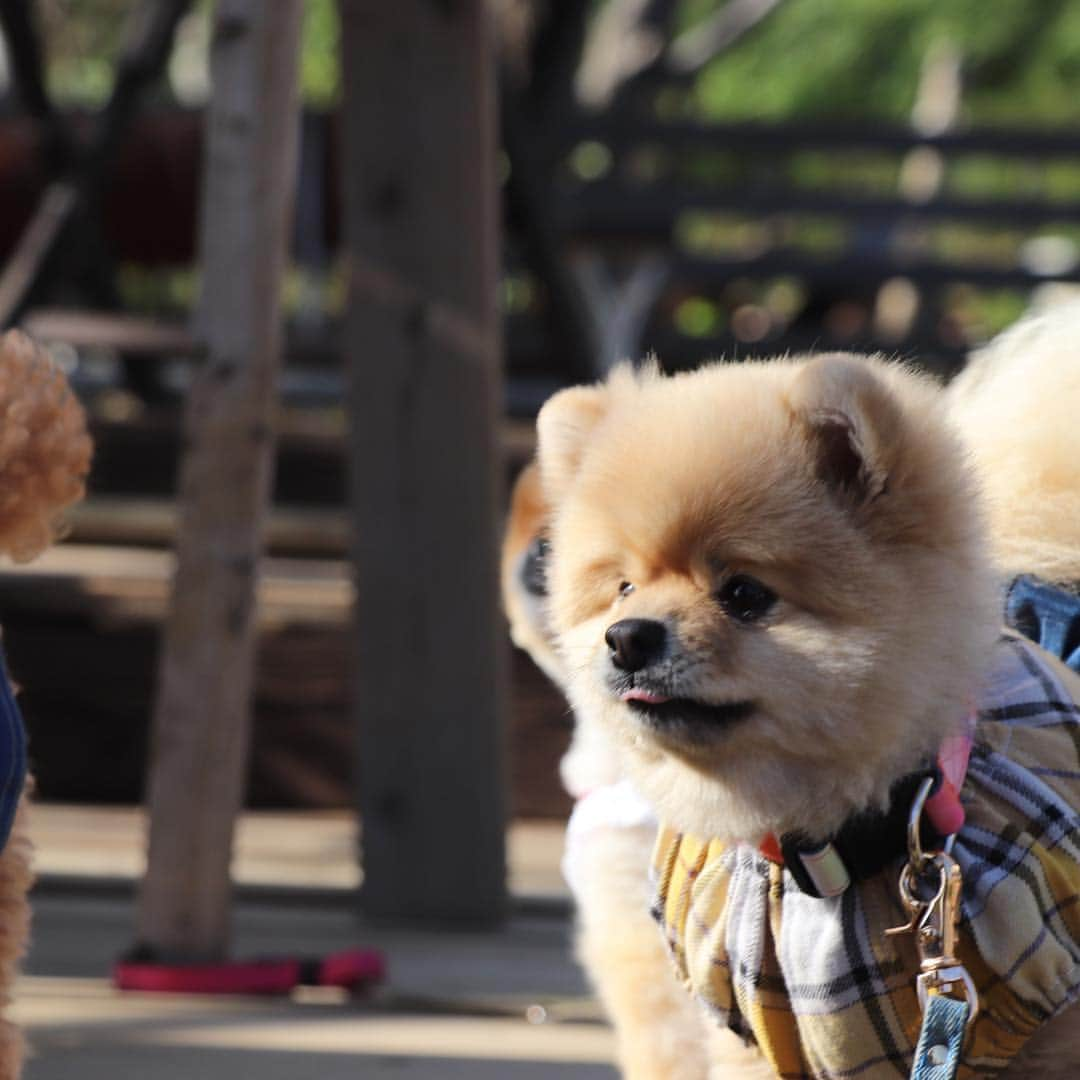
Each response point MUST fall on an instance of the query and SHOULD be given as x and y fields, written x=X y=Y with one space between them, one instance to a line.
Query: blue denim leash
x=933 y=917
x=937 y=1057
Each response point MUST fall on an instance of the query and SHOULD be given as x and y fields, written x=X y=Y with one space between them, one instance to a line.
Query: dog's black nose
x=635 y=643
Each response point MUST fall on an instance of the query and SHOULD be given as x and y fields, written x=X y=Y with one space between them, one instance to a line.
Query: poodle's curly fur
x=45 y=456
x=44 y=447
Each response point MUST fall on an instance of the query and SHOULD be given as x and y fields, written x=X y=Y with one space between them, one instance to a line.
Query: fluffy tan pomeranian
x=771 y=586
x=769 y=580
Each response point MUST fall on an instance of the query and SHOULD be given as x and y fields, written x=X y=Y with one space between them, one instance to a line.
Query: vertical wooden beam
x=201 y=719
x=423 y=352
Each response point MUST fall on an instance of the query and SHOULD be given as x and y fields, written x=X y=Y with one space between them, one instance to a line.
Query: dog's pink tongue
x=646 y=696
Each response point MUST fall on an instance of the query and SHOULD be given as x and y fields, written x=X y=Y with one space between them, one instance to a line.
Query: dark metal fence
x=761 y=239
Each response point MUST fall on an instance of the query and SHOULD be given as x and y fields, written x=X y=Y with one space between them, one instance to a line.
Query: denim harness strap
x=1047 y=615
x=12 y=754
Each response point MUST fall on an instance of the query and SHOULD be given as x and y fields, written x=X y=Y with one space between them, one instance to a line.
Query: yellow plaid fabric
x=818 y=986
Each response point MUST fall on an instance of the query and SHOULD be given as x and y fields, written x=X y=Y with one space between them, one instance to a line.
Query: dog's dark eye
x=626 y=588
x=534 y=568
x=744 y=598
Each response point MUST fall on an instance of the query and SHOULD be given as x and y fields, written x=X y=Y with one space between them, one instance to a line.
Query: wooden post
x=423 y=352
x=201 y=720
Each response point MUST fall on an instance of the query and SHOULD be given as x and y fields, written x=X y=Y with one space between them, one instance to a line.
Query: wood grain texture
x=423 y=353
x=202 y=712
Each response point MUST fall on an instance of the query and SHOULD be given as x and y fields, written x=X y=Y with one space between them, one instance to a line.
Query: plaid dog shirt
x=817 y=985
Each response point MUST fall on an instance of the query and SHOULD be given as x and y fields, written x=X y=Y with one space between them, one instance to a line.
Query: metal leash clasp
x=940 y=971
x=930 y=886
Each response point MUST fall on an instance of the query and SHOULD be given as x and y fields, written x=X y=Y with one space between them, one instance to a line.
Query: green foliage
x=862 y=59
x=982 y=313
x=697 y=316
x=83 y=39
x=320 y=74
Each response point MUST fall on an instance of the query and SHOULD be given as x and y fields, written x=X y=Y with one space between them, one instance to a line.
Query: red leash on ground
x=353 y=970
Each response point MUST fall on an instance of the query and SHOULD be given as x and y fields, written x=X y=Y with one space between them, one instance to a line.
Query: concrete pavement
x=510 y=1004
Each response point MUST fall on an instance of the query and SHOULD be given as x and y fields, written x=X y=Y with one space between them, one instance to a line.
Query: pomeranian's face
x=766 y=579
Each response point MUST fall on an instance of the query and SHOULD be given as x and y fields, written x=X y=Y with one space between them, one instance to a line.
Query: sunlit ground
x=311 y=849
x=506 y=1005
x=78 y=1026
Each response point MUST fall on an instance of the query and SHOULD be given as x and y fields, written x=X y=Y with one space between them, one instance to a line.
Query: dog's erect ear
x=563 y=428
x=853 y=423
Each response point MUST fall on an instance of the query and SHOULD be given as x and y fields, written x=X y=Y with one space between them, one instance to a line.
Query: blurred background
x=695 y=179
x=692 y=178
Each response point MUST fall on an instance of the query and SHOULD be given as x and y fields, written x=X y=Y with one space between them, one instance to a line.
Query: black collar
x=865 y=844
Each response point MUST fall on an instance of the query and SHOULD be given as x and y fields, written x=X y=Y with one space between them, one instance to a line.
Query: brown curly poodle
x=44 y=459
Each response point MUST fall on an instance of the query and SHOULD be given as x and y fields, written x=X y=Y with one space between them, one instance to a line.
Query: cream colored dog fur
x=1016 y=409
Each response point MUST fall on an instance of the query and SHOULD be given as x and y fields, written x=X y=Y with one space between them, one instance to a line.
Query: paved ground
x=504 y=1006
x=279 y=850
